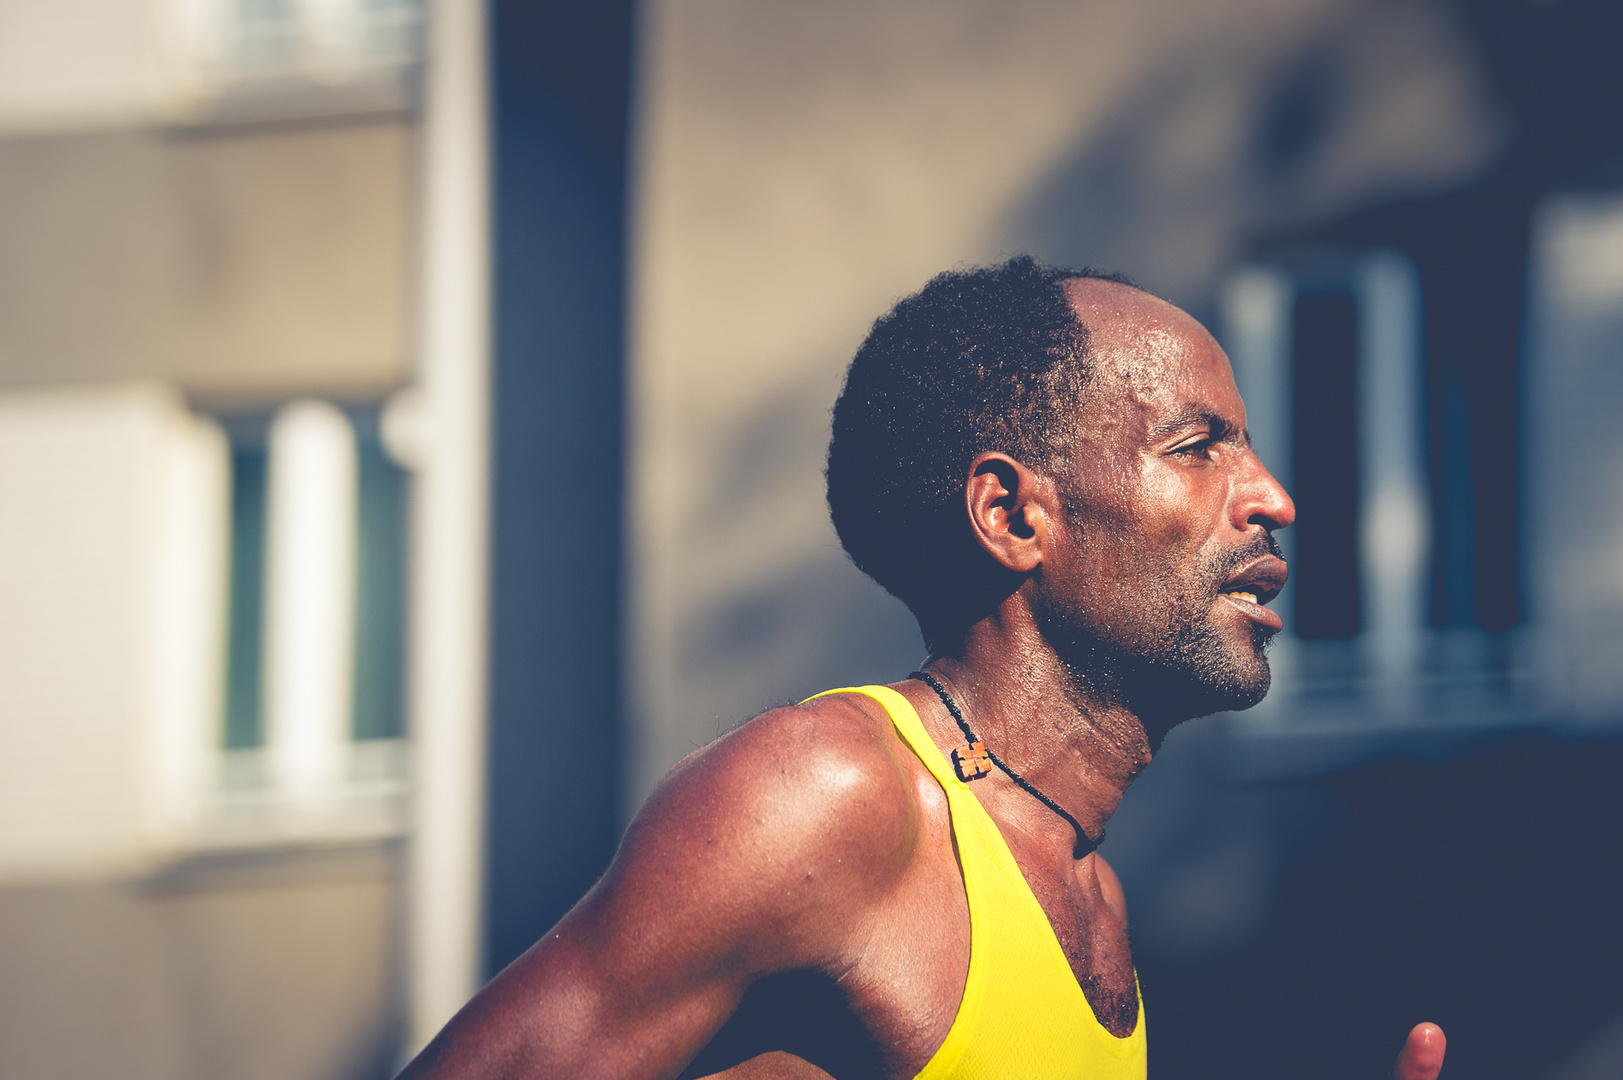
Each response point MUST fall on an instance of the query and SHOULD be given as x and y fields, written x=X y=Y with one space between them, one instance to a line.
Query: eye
x=1196 y=446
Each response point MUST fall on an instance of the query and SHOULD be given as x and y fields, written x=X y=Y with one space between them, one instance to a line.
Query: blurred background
x=411 y=426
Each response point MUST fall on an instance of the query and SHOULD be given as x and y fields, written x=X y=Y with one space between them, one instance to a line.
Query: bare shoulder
x=819 y=774
x=777 y=847
x=804 y=808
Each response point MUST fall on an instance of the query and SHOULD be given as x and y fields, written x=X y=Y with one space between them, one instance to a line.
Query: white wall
x=75 y=63
x=82 y=65
x=113 y=522
x=1575 y=394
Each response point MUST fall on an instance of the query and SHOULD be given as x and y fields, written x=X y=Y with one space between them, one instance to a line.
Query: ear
x=1010 y=510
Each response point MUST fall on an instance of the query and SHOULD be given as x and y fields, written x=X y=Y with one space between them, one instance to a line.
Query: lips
x=1254 y=585
x=1261 y=579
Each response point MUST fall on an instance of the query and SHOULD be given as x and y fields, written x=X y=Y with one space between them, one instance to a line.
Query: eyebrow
x=1193 y=415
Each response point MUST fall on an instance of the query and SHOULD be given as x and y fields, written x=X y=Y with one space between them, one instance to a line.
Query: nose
x=1261 y=500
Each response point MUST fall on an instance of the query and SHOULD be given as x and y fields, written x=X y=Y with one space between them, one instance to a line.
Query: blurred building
x=206 y=243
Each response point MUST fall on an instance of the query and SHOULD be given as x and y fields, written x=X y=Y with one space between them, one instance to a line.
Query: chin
x=1247 y=693
x=1245 y=680
x=1205 y=675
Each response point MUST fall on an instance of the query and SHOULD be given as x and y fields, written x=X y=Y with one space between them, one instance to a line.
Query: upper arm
x=760 y=854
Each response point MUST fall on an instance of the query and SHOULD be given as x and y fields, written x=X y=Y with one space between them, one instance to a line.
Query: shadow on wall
x=820 y=624
x=1377 y=100
x=781 y=613
x=779 y=447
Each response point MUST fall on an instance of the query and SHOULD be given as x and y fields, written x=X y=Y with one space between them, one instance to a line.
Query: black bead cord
x=1085 y=844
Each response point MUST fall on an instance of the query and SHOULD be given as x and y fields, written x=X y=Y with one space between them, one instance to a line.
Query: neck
x=1056 y=729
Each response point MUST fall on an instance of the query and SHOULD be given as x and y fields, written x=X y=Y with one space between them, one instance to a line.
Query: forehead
x=1149 y=357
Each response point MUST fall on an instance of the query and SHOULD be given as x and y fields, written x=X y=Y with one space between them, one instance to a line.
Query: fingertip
x=1422 y=1057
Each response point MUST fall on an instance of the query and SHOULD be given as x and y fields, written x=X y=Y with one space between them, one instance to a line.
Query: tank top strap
x=1022 y=1013
x=905 y=719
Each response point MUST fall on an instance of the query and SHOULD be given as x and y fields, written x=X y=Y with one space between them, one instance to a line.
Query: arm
x=762 y=853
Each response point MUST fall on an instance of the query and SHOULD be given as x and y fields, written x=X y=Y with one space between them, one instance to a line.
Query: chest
x=911 y=980
x=1093 y=938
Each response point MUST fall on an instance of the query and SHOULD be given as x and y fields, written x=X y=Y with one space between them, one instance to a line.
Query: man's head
x=984 y=359
x=1169 y=518
x=1026 y=383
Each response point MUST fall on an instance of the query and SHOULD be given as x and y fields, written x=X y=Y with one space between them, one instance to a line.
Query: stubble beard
x=1179 y=664
x=1197 y=672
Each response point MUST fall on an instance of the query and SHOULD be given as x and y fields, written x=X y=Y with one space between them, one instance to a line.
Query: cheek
x=1144 y=523
x=1167 y=522
x=1161 y=522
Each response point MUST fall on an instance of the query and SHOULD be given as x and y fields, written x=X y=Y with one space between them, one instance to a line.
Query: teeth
x=1250 y=598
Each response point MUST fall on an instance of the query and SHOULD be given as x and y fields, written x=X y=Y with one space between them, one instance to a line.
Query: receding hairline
x=1136 y=312
x=1084 y=293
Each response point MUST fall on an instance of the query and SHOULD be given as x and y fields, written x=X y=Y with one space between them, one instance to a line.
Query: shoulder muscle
x=802 y=810
x=765 y=851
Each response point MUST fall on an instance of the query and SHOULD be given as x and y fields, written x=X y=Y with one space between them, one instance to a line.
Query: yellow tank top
x=1022 y=1015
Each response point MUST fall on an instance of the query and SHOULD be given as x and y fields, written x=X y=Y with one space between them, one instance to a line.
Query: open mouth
x=1257 y=582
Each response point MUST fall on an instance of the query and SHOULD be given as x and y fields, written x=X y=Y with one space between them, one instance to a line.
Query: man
x=1052 y=469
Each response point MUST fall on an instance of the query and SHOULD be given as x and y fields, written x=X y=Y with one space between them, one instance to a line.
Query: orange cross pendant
x=971 y=762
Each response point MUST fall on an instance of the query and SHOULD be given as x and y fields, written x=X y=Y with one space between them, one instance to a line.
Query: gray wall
x=270 y=965
x=244 y=264
x=801 y=166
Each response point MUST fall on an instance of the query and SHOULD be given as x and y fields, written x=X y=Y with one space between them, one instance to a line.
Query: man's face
x=1157 y=588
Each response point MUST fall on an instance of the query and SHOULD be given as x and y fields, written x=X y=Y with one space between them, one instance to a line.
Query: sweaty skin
x=812 y=839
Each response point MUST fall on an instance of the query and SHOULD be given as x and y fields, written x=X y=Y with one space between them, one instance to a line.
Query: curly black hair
x=988 y=358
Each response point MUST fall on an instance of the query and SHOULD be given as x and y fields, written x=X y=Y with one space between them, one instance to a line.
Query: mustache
x=1229 y=562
